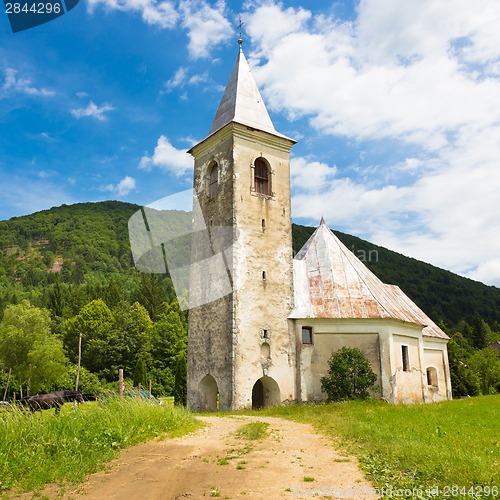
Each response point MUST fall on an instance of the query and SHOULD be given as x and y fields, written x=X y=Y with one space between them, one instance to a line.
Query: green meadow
x=453 y=446
x=46 y=448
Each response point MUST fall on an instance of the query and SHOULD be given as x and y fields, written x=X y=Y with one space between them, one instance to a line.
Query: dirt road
x=291 y=462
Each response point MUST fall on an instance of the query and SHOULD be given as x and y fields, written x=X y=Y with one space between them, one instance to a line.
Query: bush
x=349 y=376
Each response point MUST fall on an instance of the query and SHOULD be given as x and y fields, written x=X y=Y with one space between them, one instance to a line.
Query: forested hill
x=86 y=241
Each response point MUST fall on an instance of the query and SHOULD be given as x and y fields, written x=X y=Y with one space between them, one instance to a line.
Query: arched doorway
x=265 y=392
x=209 y=394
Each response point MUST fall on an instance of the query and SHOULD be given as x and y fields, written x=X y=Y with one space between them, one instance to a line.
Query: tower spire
x=242 y=102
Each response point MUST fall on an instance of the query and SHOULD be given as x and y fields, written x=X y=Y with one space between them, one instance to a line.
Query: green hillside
x=77 y=241
x=68 y=272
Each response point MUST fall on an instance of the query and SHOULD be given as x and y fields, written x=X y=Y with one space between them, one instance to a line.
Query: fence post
x=121 y=385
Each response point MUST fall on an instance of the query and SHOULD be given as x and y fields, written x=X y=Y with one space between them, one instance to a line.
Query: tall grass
x=46 y=448
x=454 y=443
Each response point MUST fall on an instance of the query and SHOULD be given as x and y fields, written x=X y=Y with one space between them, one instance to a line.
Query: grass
x=454 y=443
x=253 y=431
x=45 y=448
x=417 y=446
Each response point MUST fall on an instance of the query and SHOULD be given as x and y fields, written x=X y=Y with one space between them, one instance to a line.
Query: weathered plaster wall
x=210 y=349
x=263 y=245
x=436 y=356
x=243 y=337
x=328 y=337
x=407 y=385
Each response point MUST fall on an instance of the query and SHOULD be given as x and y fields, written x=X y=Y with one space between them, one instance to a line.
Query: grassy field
x=453 y=446
x=45 y=448
x=444 y=445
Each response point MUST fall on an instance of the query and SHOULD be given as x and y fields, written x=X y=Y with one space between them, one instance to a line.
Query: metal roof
x=242 y=102
x=331 y=282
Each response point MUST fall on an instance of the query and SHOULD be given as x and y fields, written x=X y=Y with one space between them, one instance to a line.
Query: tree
x=56 y=299
x=180 y=388
x=134 y=331
x=349 y=376
x=464 y=381
x=140 y=373
x=28 y=346
x=152 y=295
x=486 y=365
x=99 y=343
x=480 y=330
x=169 y=340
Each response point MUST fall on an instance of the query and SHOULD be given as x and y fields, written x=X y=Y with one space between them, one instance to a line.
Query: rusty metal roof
x=331 y=282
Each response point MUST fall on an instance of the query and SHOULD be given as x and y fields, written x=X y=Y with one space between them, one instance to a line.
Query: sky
x=395 y=106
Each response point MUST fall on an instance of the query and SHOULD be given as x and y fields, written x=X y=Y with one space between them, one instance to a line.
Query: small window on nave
x=307 y=335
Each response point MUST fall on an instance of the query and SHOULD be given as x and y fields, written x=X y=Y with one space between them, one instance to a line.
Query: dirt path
x=194 y=466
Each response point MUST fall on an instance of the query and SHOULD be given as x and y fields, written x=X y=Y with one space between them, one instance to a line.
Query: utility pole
x=79 y=361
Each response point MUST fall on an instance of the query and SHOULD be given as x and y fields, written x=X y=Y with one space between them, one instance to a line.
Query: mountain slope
x=87 y=238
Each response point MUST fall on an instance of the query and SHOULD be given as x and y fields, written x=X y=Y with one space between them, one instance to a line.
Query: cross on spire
x=240 y=25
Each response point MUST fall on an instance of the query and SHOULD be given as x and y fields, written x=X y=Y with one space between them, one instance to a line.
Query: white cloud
x=93 y=111
x=178 y=80
x=418 y=81
x=168 y=158
x=22 y=85
x=310 y=176
x=123 y=188
x=205 y=22
x=154 y=12
x=206 y=26
x=181 y=78
x=126 y=185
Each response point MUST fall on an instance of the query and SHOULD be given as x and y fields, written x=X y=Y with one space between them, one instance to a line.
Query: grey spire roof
x=331 y=282
x=242 y=102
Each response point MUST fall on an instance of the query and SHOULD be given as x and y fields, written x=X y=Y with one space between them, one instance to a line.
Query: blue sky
x=395 y=106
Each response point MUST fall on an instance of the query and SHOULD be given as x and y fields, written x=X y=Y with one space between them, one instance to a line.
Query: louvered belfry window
x=261 y=176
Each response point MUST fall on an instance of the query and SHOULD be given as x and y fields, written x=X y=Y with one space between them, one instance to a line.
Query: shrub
x=349 y=376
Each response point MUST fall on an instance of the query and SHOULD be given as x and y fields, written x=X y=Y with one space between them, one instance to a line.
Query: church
x=267 y=338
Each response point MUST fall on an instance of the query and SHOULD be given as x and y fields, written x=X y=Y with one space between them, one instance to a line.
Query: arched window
x=261 y=176
x=432 y=377
x=213 y=180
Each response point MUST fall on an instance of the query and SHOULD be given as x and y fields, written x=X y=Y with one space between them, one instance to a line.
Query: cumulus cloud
x=156 y=13
x=12 y=83
x=93 y=111
x=181 y=78
x=310 y=176
x=168 y=158
x=123 y=188
x=205 y=22
x=417 y=82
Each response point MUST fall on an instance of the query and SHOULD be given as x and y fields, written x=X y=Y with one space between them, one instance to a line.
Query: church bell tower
x=240 y=349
